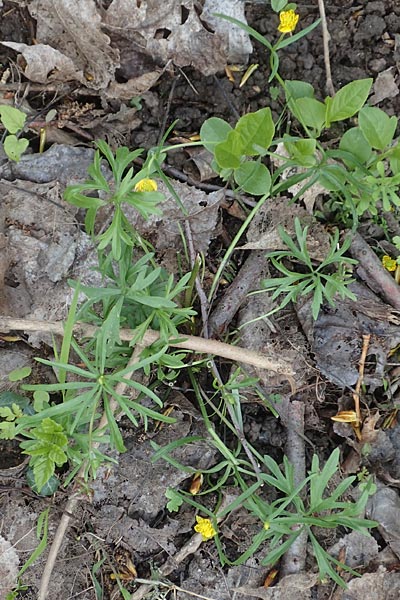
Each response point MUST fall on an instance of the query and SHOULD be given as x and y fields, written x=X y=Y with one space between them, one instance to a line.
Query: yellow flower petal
x=205 y=528
x=287 y=21
x=389 y=263
x=146 y=185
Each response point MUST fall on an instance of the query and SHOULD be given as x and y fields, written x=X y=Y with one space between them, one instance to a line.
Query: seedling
x=13 y=121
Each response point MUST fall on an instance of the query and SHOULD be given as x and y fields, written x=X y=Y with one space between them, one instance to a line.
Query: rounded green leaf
x=295 y=89
x=14 y=147
x=229 y=153
x=278 y=5
x=12 y=118
x=302 y=151
x=309 y=112
x=254 y=178
x=49 y=488
x=377 y=126
x=19 y=374
x=355 y=142
x=213 y=131
x=332 y=177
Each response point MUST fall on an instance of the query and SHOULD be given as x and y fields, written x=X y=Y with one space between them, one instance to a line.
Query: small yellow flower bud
x=205 y=528
x=266 y=525
x=287 y=21
x=146 y=185
x=389 y=263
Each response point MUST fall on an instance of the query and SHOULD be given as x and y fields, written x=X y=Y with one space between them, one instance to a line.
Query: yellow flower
x=287 y=21
x=205 y=527
x=389 y=263
x=266 y=525
x=146 y=185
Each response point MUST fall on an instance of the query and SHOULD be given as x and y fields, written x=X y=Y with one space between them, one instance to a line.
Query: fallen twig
x=188 y=342
x=294 y=559
x=356 y=395
x=248 y=279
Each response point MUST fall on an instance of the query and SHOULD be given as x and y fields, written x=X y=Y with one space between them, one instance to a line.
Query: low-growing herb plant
x=325 y=281
x=314 y=503
x=137 y=190
x=63 y=423
x=13 y=121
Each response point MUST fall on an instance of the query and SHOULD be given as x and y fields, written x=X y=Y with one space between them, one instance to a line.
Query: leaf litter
x=135 y=40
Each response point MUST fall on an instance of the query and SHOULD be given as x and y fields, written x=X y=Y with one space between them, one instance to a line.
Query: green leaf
x=175 y=500
x=46 y=450
x=394 y=159
x=332 y=177
x=355 y=142
x=9 y=398
x=253 y=177
x=15 y=147
x=7 y=430
x=292 y=39
x=302 y=151
x=49 y=488
x=256 y=129
x=43 y=470
x=310 y=112
x=348 y=100
x=295 y=89
x=228 y=153
x=377 y=127
x=41 y=534
x=319 y=483
x=19 y=374
x=278 y=5
x=214 y=131
x=12 y=118
x=40 y=400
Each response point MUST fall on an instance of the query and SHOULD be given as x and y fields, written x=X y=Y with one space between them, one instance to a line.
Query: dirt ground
x=125 y=521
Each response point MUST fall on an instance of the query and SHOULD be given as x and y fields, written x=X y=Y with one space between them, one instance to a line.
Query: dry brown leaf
x=73 y=27
x=44 y=63
x=78 y=40
x=163 y=31
x=385 y=86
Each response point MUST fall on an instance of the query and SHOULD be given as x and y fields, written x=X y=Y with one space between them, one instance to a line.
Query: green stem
x=232 y=246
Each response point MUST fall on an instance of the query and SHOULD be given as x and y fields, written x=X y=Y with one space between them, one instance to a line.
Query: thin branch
x=294 y=559
x=325 y=39
x=188 y=342
x=356 y=395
